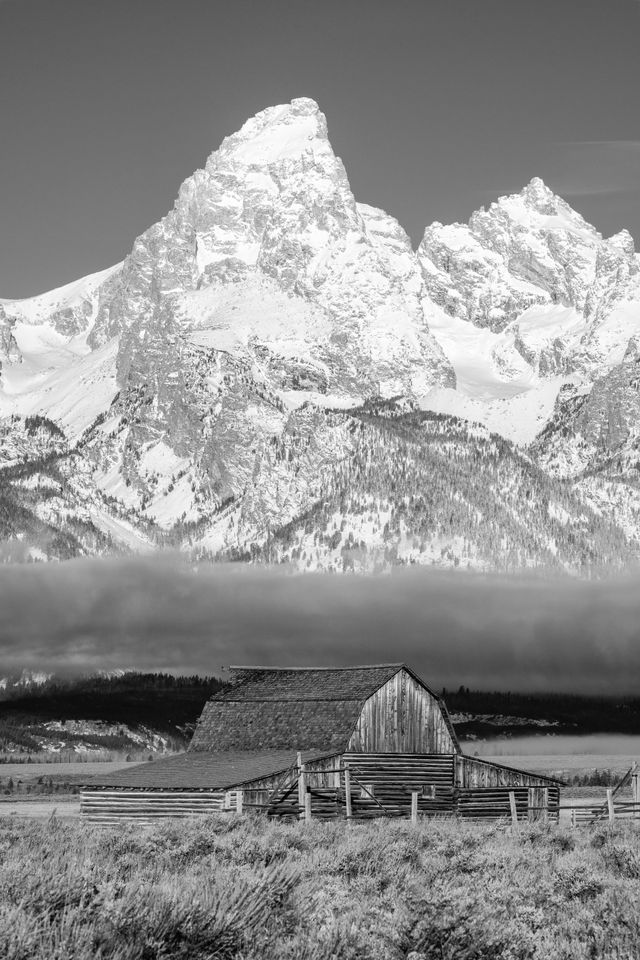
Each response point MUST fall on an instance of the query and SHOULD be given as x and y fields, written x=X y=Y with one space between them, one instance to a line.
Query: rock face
x=527 y=249
x=211 y=390
x=271 y=224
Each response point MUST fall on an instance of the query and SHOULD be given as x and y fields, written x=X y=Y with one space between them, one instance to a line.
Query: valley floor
x=254 y=890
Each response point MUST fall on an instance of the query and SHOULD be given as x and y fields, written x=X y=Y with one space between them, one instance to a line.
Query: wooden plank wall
x=402 y=717
x=322 y=774
x=473 y=772
x=110 y=805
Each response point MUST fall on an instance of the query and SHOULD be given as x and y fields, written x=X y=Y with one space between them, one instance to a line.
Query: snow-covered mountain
x=266 y=348
x=530 y=299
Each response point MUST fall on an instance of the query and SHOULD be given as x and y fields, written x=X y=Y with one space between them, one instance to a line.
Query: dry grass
x=244 y=888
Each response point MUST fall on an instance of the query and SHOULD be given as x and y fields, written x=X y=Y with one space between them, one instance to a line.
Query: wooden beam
x=347 y=791
x=239 y=800
x=414 y=806
x=307 y=805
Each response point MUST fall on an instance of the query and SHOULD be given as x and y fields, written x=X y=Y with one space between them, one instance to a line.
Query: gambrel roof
x=307 y=683
x=272 y=708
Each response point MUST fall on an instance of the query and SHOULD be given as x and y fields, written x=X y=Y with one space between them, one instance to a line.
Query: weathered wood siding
x=402 y=717
x=473 y=772
x=492 y=803
x=109 y=805
x=391 y=778
x=282 y=789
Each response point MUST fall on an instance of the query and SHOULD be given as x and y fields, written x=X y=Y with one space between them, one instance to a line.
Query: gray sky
x=435 y=106
x=490 y=632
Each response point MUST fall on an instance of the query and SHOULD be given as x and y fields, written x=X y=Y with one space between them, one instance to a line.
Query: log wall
x=491 y=803
x=402 y=717
x=113 y=804
x=393 y=777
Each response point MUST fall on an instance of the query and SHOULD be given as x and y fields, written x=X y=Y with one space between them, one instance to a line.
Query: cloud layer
x=487 y=632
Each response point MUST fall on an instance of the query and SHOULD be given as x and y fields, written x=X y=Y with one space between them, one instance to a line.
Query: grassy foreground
x=240 y=887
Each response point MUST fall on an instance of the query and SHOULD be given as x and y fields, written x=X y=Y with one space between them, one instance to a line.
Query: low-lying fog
x=486 y=632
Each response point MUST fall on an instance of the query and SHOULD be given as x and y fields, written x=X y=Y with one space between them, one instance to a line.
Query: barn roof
x=202 y=770
x=273 y=708
x=307 y=683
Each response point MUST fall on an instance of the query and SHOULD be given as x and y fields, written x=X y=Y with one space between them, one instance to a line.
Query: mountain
x=88 y=717
x=530 y=299
x=272 y=363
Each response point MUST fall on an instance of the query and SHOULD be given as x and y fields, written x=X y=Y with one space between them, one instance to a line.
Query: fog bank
x=454 y=628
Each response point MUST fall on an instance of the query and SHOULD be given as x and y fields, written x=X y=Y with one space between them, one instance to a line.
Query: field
x=29 y=782
x=250 y=889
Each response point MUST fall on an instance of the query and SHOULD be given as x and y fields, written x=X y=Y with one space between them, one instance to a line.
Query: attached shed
x=333 y=742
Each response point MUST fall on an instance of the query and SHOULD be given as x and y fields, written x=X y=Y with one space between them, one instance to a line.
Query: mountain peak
x=538 y=195
x=278 y=133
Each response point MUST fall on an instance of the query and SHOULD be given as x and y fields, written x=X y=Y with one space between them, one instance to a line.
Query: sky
x=486 y=632
x=435 y=106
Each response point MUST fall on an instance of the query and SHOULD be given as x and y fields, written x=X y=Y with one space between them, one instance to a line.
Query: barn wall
x=402 y=717
x=282 y=788
x=107 y=805
x=472 y=772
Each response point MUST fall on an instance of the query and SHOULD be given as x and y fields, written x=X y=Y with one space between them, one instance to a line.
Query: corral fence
x=613 y=807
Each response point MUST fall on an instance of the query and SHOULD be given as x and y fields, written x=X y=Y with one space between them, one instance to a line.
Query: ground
x=242 y=888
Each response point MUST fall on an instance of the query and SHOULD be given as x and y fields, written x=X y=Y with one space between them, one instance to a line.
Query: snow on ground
x=58 y=378
x=177 y=503
x=516 y=406
x=38 y=309
x=236 y=316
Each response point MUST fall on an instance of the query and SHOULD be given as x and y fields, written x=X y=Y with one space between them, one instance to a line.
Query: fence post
x=302 y=792
x=573 y=816
x=347 y=791
x=531 y=802
x=239 y=800
x=635 y=783
x=414 y=806
x=514 y=809
x=545 y=803
x=612 y=812
x=307 y=805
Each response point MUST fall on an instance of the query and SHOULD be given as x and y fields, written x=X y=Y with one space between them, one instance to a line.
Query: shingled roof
x=201 y=771
x=302 y=683
x=269 y=708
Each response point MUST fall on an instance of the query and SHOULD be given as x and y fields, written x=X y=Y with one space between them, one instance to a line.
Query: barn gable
x=404 y=716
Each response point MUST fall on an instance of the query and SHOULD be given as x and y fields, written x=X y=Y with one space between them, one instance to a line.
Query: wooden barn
x=351 y=742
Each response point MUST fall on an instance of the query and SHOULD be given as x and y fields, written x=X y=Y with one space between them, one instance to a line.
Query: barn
x=353 y=742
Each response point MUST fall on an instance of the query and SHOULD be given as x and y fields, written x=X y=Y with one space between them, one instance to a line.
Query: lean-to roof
x=201 y=770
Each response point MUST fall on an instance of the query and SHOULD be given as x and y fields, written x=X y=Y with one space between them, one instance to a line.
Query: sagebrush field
x=245 y=888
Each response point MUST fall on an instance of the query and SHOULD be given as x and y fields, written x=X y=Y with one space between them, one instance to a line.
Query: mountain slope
x=425 y=488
